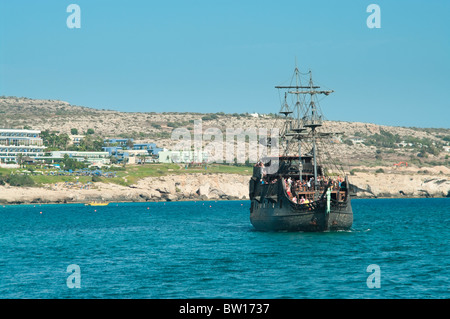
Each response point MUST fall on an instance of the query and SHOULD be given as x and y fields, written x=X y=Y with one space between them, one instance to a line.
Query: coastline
x=220 y=186
x=181 y=200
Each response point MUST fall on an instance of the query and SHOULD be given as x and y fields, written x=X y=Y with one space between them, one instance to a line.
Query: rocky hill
x=363 y=144
x=367 y=152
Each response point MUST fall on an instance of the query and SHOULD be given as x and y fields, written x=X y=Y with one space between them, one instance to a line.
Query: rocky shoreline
x=204 y=187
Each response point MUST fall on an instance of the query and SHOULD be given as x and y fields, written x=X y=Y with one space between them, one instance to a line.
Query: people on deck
x=296 y=187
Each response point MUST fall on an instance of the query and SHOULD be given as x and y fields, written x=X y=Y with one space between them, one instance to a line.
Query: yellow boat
x=96 y=204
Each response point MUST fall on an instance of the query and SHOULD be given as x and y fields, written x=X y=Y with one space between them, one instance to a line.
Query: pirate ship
x=297 y=190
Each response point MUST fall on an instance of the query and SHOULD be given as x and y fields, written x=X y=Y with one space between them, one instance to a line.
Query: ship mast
x=306 y=116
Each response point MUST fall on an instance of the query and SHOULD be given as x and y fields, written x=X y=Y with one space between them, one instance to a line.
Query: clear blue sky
x=213 y=56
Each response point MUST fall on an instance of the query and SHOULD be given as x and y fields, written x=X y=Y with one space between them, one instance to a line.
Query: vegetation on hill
x=363 y=143
x=130 y=175
x=16 y=180
x=385 y=139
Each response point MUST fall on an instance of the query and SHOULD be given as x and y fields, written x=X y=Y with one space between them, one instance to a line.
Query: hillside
x=362 y=144
x=366 y=151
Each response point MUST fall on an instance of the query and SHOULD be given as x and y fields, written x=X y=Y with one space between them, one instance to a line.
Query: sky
x=227 y=56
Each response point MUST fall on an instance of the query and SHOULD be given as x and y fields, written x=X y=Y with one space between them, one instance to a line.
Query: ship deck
x=335 y=194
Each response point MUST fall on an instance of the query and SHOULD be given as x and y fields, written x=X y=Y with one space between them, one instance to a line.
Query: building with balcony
x=121 y=142
x=76 y=139
x=150 y=147
x=191 y=156
x=93 y=158
x=15 y=144
x=124 y=149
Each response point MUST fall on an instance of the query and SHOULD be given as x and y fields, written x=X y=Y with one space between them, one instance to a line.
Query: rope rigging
x=302 y=110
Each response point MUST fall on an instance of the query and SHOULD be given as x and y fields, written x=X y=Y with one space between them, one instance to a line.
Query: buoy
x=148 y=207
x=40 y=212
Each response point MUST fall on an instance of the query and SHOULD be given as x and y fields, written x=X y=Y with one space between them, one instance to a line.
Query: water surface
x=210 y=250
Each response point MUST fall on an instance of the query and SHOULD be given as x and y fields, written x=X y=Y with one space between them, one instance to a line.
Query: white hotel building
x=14 y=142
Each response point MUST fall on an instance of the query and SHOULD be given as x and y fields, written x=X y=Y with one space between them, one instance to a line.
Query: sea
x=396 y=249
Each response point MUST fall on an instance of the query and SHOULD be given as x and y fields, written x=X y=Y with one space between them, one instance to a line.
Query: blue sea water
x=210 y=250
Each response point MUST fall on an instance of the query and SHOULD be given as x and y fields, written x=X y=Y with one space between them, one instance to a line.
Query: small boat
x=97 y=204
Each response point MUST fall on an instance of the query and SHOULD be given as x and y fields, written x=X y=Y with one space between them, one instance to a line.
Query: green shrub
x=20 y=180
x=348 y=142
x=172 y=124
x=209 y=117
x=96 y=179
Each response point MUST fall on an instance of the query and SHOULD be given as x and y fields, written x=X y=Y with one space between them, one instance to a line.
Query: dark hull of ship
x=284 y=215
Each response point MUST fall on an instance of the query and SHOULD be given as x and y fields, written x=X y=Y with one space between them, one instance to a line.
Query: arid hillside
x=360 y=144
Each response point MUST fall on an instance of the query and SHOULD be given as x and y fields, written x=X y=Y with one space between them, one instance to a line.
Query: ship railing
x=309 y=192
x=306 y=189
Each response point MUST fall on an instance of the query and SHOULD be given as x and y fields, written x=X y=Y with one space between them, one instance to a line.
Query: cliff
x=428 y=183
x=221 y=187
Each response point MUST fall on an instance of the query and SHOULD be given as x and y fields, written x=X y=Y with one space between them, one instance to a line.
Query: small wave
x=355 y=230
